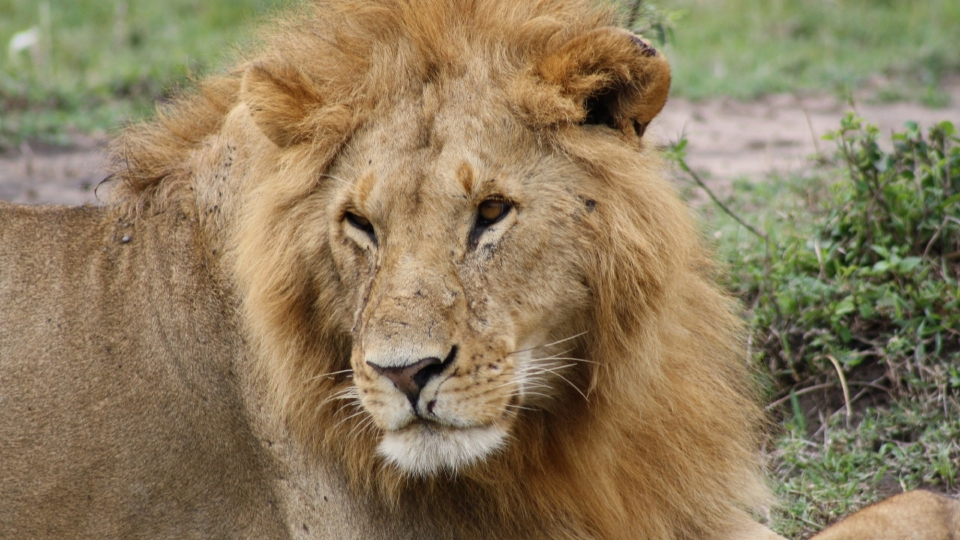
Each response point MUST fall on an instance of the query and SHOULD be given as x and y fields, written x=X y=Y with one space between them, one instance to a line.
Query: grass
x=850 y=277
x=837 y=470
x=748 y=48
x=100 y=63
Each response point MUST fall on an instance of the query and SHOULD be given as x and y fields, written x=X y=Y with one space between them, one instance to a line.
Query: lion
x=411 y=270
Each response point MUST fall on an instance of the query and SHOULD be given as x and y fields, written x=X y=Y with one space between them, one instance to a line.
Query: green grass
x=825 y=476
x=747 y=48
x=850 y=284
x=99 y=63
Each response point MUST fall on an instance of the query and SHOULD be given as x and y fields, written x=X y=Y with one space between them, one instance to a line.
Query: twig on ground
x=801 y=392
x=696 y=178
x=843 y=384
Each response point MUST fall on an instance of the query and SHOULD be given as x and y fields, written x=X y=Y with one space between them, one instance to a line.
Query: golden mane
x=356 y=53
x=666 y=444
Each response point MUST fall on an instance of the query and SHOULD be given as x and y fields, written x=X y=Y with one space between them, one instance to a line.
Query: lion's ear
x=281 y=99
x=609 y=77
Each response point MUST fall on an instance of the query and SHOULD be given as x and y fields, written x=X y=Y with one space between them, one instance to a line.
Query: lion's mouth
x=426 y=448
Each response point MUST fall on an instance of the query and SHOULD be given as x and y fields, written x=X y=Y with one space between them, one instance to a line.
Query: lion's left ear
x=281 y=100
x=607 y=77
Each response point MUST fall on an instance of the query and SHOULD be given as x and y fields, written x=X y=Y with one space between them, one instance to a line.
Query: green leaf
x=947 y=127
x=845 y=334
x=950 y=201
x=908 y=264
x=881 y=250
x=844 y=307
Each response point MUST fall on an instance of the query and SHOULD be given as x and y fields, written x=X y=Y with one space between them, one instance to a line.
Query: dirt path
x=728 y=139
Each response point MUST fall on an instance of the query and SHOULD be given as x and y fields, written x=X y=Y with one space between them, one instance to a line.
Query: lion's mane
x=666 y=443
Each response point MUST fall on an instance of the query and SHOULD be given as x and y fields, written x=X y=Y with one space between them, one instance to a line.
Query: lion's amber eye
x=491 y=210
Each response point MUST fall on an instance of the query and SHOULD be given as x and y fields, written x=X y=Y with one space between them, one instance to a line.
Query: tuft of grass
x=747 y=48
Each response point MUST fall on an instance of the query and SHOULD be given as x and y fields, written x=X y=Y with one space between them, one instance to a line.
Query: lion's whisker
x=528 y=393
x=532 y=378
x=554 y=372
x=548 y=344
x=508 y=383
x=537 y=370
x=354 y=415
x=348 y=370
x=534 y=360
x=346 y=393
x=512 y=406
x=360 y=428
x=349 y=391
x=565 y=351
x=332 y=375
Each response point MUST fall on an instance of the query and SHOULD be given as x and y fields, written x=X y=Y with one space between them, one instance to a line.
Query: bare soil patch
x=38 y=174
x=728 y=139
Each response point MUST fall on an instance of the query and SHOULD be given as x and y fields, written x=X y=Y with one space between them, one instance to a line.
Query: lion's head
x=459 y=265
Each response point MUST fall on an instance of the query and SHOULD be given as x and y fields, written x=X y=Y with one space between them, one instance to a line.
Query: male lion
x=410 y=271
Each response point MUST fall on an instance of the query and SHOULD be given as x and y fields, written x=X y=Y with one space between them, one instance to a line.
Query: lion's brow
x=364 y=187
x=466 y=176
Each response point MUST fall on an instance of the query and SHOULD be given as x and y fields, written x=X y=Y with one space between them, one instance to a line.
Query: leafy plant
x=857 y=296
x=877 y=282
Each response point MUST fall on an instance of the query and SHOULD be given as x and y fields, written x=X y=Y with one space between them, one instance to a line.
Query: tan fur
x=589 y=334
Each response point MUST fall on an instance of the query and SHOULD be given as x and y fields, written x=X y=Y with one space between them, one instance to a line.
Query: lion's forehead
x=441 y=142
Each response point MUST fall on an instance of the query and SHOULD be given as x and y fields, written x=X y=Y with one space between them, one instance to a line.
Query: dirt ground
x=727 y=140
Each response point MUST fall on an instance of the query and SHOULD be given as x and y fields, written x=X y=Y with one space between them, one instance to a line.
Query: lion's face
x=460 y=214
x=461 y=247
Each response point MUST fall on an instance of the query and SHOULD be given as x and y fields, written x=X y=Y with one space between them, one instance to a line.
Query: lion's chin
x=423 y=450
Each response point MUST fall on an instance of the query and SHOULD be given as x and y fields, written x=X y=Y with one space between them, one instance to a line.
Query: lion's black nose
x=411 y=379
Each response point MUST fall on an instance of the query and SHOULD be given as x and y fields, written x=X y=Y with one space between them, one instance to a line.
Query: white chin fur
x=421 y=450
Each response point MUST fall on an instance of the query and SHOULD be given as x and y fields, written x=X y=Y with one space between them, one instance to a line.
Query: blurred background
x=841 y=240
x=88 y=65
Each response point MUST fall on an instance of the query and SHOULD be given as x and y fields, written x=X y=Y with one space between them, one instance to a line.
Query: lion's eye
x=491 y=211
x=361 y=223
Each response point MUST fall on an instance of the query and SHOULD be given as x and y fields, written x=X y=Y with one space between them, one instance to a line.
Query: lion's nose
x=411 y=379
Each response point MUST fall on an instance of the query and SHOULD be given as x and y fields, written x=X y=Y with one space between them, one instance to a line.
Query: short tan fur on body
x=424 y=279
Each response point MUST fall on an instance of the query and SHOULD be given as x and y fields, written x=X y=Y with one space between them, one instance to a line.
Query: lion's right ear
x=281 y=99
x=605 y=77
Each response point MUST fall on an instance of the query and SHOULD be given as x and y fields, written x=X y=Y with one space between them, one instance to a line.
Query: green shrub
x=876 y=281
x=851 y=290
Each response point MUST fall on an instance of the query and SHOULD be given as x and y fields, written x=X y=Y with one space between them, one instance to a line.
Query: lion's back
x=118 y=414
